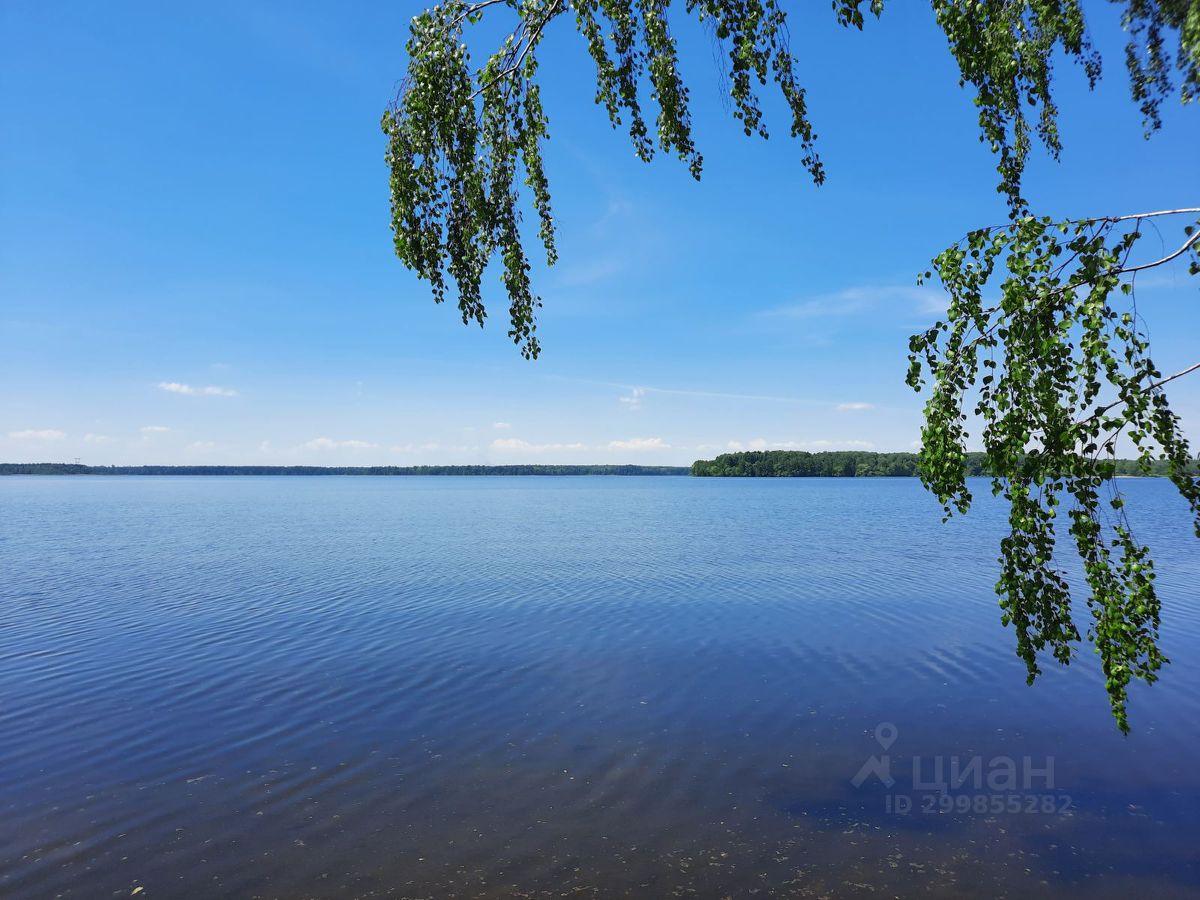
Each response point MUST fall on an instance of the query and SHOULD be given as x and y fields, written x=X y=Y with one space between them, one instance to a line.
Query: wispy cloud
x=594 y=271
x=853 y=407
x=651 y=443
x=722 y=395
x=617 y=213
x=647 y=390
x=212 y=390
x=501 y=426
x=516 y=445
x=302 y=42
x=201 y=445
x=38 y=434
x=633 y=400
x=324 y=443
x=614 y=239
x=90 y=438
x=154 y=429
x=428 y=447
x=866 y=298
x=762 y=444
x=840 y=445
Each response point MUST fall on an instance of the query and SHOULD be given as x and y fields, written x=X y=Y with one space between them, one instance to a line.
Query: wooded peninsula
x=856 y=463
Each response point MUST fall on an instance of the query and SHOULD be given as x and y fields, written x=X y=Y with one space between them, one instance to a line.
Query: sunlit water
x=440 y=687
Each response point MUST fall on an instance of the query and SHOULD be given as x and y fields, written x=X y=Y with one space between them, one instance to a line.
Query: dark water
x=440 y=687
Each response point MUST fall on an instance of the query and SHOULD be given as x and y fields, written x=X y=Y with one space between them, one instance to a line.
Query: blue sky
x=196 y=267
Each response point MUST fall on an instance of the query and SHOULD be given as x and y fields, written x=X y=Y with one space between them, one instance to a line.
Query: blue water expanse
x=493 y=687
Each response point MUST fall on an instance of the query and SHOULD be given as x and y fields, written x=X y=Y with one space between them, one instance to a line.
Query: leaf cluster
x=1056 y=364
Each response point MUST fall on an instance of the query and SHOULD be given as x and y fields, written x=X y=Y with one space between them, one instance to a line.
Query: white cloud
x=212 y=390
x=90 y=438
x=851 y=407
x=633 y=400
x=653 y=443
x=154 y=429
x=516 y=445
x=38 y=434
x=201 y=445
x=324 y=443
x=764 y=444
x=501 y=426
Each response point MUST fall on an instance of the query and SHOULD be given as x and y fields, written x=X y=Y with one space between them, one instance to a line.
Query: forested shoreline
x=72 y=469
x=743 y=464
x=855 y=464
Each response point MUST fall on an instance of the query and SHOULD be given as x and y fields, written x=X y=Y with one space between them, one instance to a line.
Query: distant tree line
x=753 y=464
x=857 y=463
x=71 y=469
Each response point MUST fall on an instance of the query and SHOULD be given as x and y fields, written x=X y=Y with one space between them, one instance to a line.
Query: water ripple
x=534 y=687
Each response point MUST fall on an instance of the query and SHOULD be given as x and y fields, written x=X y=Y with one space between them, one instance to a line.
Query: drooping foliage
x=1057 y=367
x=464 y=149
x=464 y=141
x=1005 y=50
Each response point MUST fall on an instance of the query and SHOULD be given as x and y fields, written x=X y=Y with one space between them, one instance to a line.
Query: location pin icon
x=885 y=733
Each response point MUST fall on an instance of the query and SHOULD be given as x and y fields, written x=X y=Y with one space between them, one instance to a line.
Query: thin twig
x=1150 y=387
x=1187 y=245
x=534 y=37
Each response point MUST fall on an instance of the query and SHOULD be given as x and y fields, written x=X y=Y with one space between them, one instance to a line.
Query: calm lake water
x=493 y=687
